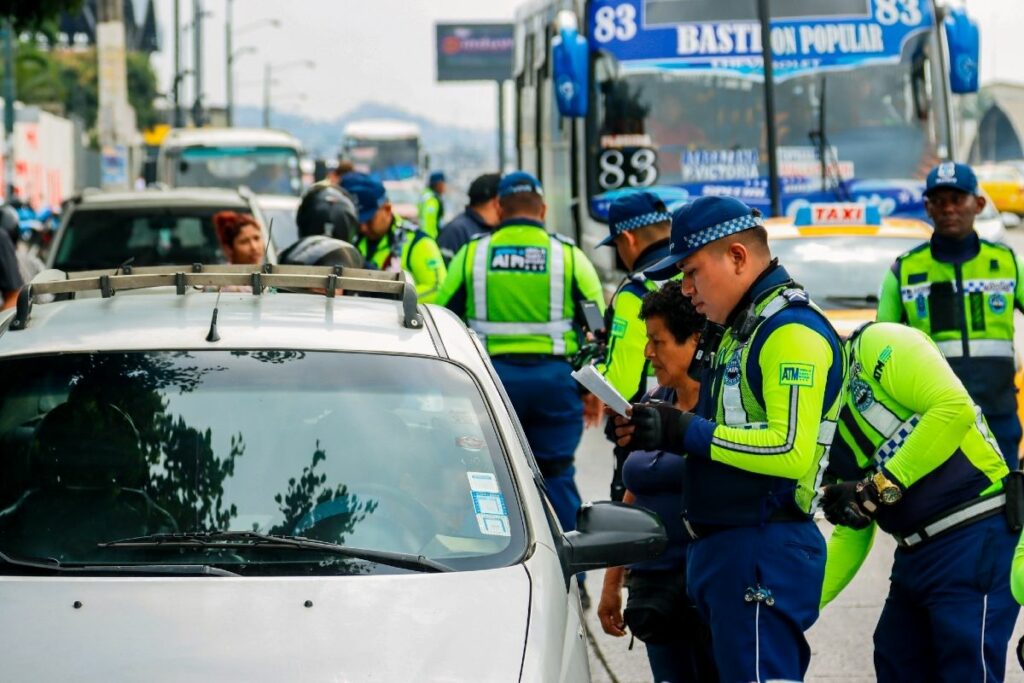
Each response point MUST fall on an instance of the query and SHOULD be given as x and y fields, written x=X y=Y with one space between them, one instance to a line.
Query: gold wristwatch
x=888 y=492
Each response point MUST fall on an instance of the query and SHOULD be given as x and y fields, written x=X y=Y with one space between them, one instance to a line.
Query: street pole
x=501 y=126
x=266 y=95
x=230 y=108
x=764 y=15
x=197 y=46
x=179 y=115
x=8 y=109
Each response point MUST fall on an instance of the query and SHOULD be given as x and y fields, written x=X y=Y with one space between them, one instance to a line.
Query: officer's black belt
x=526 y=357
x=700 y=530
x=958 y=518
x=553 y=468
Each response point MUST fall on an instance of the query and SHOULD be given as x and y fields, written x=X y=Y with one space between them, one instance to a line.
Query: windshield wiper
x=52 y=565
x=819 y=138
x=251 y=539
x=853 y=299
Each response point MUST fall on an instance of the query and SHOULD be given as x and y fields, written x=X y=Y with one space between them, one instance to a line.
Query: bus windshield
x=387 y=159
x=265 y=170
x=704 y=128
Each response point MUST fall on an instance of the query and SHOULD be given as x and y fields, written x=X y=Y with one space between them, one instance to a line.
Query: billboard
x=474 y=52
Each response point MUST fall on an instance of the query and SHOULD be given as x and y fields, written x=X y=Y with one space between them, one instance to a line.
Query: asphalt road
x=840 y=640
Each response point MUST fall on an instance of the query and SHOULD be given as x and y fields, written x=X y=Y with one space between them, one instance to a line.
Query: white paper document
x=593 y=380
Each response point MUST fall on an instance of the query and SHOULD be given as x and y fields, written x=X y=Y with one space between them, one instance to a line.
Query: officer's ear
x=543 y=211
x=980 y=203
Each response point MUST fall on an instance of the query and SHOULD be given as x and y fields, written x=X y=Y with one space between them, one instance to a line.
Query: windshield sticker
x=493 y=525
x=624 y=141
x=482 y=481
x=721 y=164
x=485 y=503
x=805 y=162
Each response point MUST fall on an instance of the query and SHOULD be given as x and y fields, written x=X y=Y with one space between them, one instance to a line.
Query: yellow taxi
x=840 y=253
x=1004 y=183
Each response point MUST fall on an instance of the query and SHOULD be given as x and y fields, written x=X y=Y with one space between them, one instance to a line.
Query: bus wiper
x=830 y=169
x=235 y=540
x=50 y=564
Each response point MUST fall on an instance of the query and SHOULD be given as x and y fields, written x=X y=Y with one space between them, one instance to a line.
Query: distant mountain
x=323 y=138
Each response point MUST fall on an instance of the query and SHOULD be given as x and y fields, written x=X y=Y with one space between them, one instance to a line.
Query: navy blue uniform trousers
x=758 y=640
x=547 y=401
x=949 y=614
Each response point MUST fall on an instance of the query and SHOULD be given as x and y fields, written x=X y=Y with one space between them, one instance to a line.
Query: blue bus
x=670 y=95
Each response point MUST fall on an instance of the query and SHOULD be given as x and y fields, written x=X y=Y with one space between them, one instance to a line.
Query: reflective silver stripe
x=553 y=328
x=958 y=517
x=991 y=348
x=827 y=432
x=768 y=450
x=556 y=297
x=881 y=419
x=911 y=292
x=732 y=397
x=774 y=306
x=480 y=278
x=895 y=440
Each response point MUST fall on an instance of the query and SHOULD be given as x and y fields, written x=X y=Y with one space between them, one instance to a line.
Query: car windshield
x=388 y=454
x=841 y=271
x=105 y=238
x=264 y=170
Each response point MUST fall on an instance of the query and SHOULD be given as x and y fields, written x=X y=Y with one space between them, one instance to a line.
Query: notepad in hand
x=596 y=383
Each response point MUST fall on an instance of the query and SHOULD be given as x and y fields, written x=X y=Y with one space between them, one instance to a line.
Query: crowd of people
x=749 y=413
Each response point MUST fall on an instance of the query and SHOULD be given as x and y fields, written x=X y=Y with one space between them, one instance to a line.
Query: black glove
x=844 y=504
x=659 y=426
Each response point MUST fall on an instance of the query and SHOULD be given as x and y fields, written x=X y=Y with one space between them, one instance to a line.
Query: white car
x=275 y=486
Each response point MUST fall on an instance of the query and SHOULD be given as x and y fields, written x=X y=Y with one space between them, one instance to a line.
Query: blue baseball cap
x=701 y=222
x=519 y=181
x=436 y=177
x=952 y=175
x=369 y=193
x=632 y=210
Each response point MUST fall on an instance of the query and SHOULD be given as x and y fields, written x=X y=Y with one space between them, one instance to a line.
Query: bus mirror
x=962 y=39
x=570 y=55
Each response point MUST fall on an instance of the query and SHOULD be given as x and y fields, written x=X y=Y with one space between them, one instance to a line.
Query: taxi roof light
x=834 y=214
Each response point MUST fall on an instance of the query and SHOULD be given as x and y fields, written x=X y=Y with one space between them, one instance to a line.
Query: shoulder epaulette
x=564 y=239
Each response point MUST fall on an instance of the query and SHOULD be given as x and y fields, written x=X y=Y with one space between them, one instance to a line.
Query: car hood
x=426 y=627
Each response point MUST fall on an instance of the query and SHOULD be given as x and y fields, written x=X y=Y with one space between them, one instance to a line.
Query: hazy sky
x=383 y=50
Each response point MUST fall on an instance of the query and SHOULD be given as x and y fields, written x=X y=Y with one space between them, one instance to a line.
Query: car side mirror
x=612 y=534
x=1010 y=220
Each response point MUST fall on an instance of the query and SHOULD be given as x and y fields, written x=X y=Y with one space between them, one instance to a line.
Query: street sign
x=474 y=52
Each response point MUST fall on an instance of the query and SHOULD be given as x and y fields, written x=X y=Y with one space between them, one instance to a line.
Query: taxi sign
x=837 y=214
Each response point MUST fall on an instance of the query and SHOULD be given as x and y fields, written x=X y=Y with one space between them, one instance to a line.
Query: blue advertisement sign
x=806 y=36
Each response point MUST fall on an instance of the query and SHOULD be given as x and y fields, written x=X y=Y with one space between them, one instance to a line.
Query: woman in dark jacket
x=658 y=610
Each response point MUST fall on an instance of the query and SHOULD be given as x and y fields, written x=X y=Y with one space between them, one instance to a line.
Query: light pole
x=232 y=54
x=197 y=45
x=268 y=70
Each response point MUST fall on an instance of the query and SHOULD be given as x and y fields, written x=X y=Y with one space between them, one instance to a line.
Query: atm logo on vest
x=522 y=259
x=796 y=375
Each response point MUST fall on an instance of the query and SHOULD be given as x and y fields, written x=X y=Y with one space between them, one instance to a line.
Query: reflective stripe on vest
x=979 y=348
x=732 y=396
x=557 y=325
x=911 y=292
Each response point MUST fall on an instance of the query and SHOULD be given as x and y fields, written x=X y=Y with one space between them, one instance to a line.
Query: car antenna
x=270 y=237
x=124 y=264
x=212 y=336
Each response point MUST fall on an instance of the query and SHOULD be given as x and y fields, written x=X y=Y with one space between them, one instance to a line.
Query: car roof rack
x=183 y=278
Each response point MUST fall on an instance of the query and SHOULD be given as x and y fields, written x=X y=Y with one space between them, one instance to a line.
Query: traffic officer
x=480 y=216
x=638 y=228
x=961 y=291
x=756 y=449
x=916 y=459
x=431 y=209
x=520 y=289
x=391 y=244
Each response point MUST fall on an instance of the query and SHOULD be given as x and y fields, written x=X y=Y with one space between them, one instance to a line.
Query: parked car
x=149 y=227
x=1005 y=184
x=275 y=486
